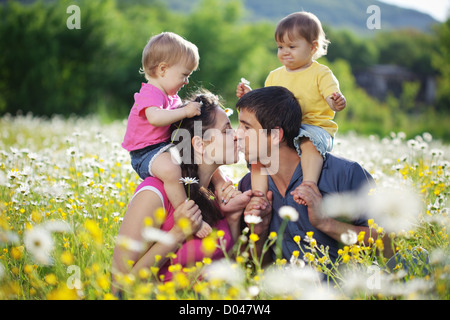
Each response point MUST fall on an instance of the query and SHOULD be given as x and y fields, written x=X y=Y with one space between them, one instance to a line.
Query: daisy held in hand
x=205 y=228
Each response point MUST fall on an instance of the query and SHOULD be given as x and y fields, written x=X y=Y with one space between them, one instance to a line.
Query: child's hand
x=297 y=197
x=242 y=88
x=338 y=101
x=193 y=109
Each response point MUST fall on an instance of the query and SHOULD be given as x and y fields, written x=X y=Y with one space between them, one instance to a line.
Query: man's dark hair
x=274 y=107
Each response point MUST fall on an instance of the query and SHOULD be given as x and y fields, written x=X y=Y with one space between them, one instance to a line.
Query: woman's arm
x=144 y=205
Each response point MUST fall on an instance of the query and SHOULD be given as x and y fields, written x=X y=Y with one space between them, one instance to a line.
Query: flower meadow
x=65 y=185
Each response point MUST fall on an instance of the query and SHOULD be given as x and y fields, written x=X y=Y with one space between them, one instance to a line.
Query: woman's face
x=220 y=143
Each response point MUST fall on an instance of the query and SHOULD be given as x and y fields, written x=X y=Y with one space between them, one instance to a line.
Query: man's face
x=253 y=140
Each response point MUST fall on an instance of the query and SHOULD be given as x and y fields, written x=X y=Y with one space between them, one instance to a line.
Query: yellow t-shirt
x=311 y=87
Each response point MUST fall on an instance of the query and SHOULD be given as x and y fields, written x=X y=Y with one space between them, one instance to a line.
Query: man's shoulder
x=344 y=172
x=336 y=159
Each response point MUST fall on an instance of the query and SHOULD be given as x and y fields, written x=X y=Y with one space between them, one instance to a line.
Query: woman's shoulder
x=150 y=181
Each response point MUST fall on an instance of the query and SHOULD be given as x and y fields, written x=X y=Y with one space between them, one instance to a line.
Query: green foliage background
x=46 y=68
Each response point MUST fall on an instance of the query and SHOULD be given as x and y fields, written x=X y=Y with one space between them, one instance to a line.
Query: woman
x=202 y=154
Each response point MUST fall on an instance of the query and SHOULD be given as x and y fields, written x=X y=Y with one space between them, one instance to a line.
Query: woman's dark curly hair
x=203 y=198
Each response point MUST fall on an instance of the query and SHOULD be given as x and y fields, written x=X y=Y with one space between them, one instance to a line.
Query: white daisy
x=225 y=271
x=348 y=238
x=394 y=208
x=252 y=219
x=153 y=234
x=130 y=244
x=228 y=112
x=38 y=241
x=288 y=212
x=189 y=180
x=57 y=226
x=245 y=81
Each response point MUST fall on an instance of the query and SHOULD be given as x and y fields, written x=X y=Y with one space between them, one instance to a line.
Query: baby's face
x=295 y=54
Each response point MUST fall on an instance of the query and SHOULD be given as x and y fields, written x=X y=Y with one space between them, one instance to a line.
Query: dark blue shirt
x=338 y=175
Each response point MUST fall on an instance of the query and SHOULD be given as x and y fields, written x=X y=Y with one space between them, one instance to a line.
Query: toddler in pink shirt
x=167 y=62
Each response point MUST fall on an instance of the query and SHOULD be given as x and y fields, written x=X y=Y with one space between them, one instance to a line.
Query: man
x=270 y=118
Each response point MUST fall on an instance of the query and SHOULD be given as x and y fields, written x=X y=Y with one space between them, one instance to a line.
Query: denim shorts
x=320 y=138
x=142 y=159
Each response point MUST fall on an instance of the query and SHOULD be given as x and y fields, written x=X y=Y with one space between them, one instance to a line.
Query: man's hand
x=310 y=193
x=260 y=205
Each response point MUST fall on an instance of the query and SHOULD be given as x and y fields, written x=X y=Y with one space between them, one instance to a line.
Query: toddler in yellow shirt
x=301 y=40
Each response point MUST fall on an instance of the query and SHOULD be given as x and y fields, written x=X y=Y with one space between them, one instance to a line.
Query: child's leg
x=205 y=229
x=260 y=181
x=312 y=162
x=170 y=173
x=166 y=170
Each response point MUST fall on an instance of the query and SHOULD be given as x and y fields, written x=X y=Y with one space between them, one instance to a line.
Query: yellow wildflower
x=379 y=244
x=17 y=252
x=208 y=245
x=28 y=269
x=308 y=257
x=67 y=258
x=144 y=273
x=51 y=279
x=181 y=280
x=254 y=237
x=109 y=296
x=93 y=229
x=62 y=293
x=103 y=282
x=160 y=215
x=185 y=225
x=346 y=258
x=361 y=236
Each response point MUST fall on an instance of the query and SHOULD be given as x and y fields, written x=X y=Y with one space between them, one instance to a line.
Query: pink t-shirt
x=140 y=133
x=190 y=251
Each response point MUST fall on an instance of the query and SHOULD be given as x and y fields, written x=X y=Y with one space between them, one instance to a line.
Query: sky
x=438 y=9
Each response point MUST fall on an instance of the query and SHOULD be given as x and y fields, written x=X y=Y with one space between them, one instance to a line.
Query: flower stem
x=279 y=246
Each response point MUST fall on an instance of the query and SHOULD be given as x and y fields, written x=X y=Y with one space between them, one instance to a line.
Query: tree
x=441 y=61
x=47 y=68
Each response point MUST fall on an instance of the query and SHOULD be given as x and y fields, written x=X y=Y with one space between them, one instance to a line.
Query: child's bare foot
x=205 y=229
x=297 y=196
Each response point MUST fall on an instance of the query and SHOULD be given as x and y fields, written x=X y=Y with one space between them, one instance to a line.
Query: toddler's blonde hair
x=306 y=25
x=170 y=48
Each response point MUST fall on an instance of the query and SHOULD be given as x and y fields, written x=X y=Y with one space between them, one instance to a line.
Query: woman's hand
x=232 y=201
x=190 y=211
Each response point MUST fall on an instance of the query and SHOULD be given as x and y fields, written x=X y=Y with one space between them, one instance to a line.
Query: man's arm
x=333 y=228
